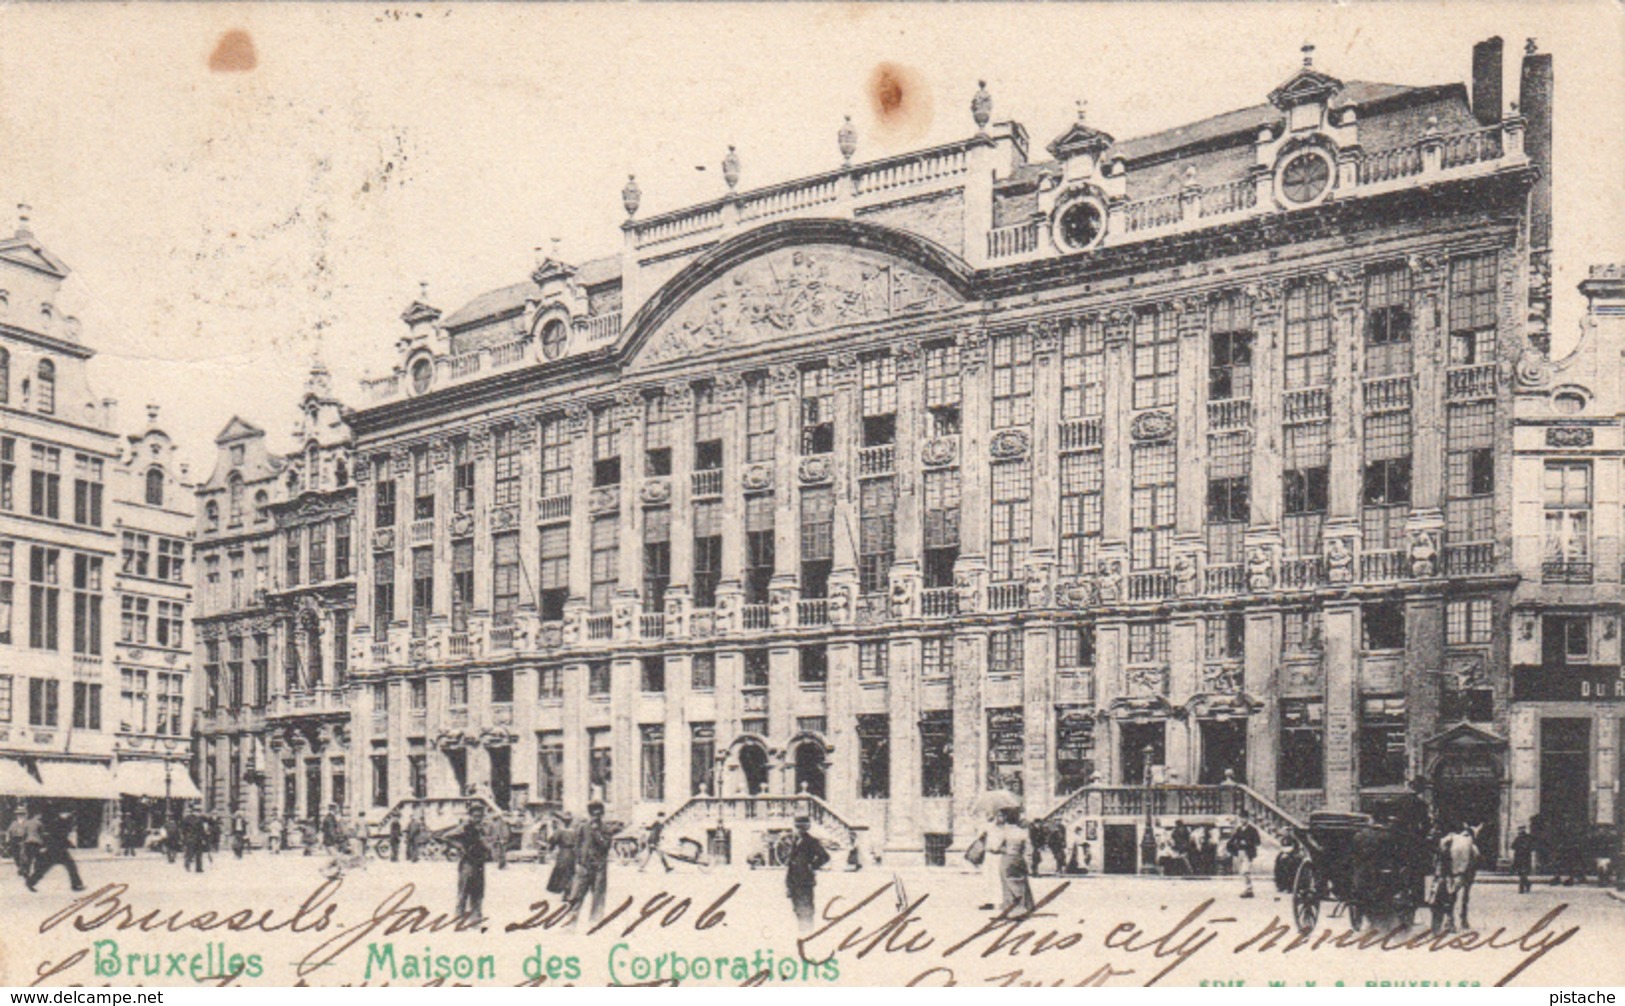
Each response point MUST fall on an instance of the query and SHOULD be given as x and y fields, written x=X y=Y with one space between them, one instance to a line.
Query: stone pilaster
x=625 y=738
x=1261 y=681
x=1185 y=658
x=679 y=754
x=970 y=730
x=1347 y=401
x=1038 y=717
x=1342 y=657
x=577 y=763
x=842 y=719
x=903 y=821
x=579 y=422
x=1431 y=358
x=1264 y=477
x=1118 y=374
x=1191 y=416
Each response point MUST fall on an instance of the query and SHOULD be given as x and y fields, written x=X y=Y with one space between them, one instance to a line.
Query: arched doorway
x=747 y=766
x=810 y=759
x=753 y=769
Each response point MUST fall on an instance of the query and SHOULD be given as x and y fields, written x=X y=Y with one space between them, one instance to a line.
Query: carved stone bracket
x=903 y=598
x=757 y=477
x=503 y=518
x=1424 y=553
x=1261 y=573
x=1153 y=426
x=603 y=499
x=907 y=355
x=576 y=418
x=655 y=491
x=462 y=524
x=730 y=387
x=786 y=380
x=1340 y=559
x=383 y=539
x=972 y=350
x=1046 y=338
x=1009 y=444
x=1569 y=436
x=479 y=441
x=816 y=469
x=1077 y=592
x=439 y=452
x=401 y=463
x=940 y=451
x=1266 y=297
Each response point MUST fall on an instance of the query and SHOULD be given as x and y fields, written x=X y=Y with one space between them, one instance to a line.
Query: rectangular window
x=943 y=388
x=1152 y=505
x=462 y=583
x=383 y=513
x=1304 y=489
x=341 y=645
x=172 y=560
x=133 y=693
x=1303 y=744
x=45 y=482
x=598 y=678
x=1005 y=654
x=422 y=590
x=817 y=524
x=877 y=534
x=44 y=597
x=703 y=672
x=1148 y=643
x=606 y=560
x=504 y=577
x=1469 y=477
x=1301 y=632
x=1468 y=621
x=941 y=488
x=136 y=554
x=417 y=769
x=234 y=672
x=702 y=752
x=1083 y=369
x=134 y=619
x=1226 y=636
x=1230 y=350
x=1388 y=322
x=1229 y=496
x=874 y=662
x=462 y=476
x=657 y=422
x=1473 y=309
x=874 y=757
x=1383 y=623
x=457 y=691
x=556 y=474
x=1156 y=359
x=878 y=399
x=87 y=706
x=707 y=516
x=8 y=473
x=550 y=767
x=417 y=695
x=505 y=467
x=760 y=548
x=1308 y=334
x=937 y=753
x=1083 y=481
x=1566 y=497
x=555 y=571
x=1012 y=379
x=1011 y=530
x=817 y=411
x=293 y=566
x=606 y=447
x=813 y=670
x=550 y=682
x=653 y=675
x=422 y=485
x=234 y=574
x=652 y=745
x=87 y=490
x=937 y=657
x=383 y=592
x=318 y=553
x=8 y=572
x=1565 y=639
x=1075 y=647
x=1382 y=741
x=42 y=702
x=262 y=669
x=761 y=419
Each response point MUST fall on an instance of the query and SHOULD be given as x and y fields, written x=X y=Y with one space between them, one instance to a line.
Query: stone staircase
x=1191 y=803
x=760 y=814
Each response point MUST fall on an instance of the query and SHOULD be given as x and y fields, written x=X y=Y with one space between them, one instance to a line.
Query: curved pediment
x=791 y=280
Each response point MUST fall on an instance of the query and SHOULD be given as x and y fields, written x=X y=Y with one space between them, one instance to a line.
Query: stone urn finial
x=631 y=195
x=848 y=139
x=981 y=107
x=730 y=168
x=1308 y=51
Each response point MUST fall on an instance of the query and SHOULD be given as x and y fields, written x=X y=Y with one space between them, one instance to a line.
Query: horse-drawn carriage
x=1367 y=868
x=439 y=814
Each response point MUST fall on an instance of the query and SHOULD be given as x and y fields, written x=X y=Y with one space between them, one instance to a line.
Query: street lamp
x=1148 y=838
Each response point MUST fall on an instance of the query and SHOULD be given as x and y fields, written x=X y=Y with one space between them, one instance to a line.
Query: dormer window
x=554 y=337
x=1305 y=177
x=422 y=376
x=155 y=487
x=1079 y=226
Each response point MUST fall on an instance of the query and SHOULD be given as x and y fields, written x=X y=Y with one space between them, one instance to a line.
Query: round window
x=1305 y=177
x=1080 y=226
x=1568 y=402
x=422 y=376
x=554 y=336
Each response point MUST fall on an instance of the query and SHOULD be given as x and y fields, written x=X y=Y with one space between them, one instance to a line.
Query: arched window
x=5 y=376
x=47 y=387
x=211 y=516
x=155 y=486
x=234 y=516
x=262 y=507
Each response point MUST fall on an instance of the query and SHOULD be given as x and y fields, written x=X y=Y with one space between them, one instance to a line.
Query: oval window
x=422 y=376
x=1568 y=402
x=1081 y=226
x=554 y=336
x=1305 y=177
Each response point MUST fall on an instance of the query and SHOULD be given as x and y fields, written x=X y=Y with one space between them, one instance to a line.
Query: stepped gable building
x=274 y=546
x=153 y=511
x=58 y=548
x=1567 y=730
x=976 y=468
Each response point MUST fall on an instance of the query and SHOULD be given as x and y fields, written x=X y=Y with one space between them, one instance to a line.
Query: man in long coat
x=807 y=855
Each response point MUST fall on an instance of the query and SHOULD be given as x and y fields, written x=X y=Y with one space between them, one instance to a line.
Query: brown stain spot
x=234 y=53
x=899 y=100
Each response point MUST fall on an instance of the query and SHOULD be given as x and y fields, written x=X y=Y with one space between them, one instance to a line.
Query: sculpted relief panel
x=794 y=291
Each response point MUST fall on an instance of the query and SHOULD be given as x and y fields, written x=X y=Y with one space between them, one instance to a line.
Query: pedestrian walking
x=330 y=828
x=1243 y=849
x=498 y=833
x=1013 y=849
x=1523 y=858
x=562 y=849
x=395 y=838
x=651 y=843
x=472 y=855
x=56 y=828
x=416 y=832
x=239 y=834
x=594 y=837
x=193 y=836
x=15 y=837
x=807 y=855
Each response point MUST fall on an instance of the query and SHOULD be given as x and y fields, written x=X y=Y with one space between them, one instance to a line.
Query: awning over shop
x=146 y=778
x=77 y=780
x=15 y=780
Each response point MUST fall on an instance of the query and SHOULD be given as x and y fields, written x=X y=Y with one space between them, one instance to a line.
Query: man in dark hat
x=57 y=827
x=806 y=855
x=1243 y=848
x=1414 y=823
x=592 y=843
x=473 y=853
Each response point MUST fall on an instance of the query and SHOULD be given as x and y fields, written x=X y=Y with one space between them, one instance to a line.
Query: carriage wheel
x=1306 y=897
x=380 y=848
x=781 y=849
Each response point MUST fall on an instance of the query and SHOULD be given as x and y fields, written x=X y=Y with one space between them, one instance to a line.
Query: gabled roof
x=1464 y=736
x=22 y=250
x=599 y=271
x=419 y=311
x=1306 y=85
x=238 y=429
x=1080 y=138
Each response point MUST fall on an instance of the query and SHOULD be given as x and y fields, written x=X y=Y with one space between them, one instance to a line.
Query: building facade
x=154 y=511
x=58 y=548
x=1568 y=690
x=276 y=594
x=965 y=470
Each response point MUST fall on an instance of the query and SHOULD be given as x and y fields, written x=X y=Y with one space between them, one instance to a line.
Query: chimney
x=1487 y=81
x=1535 y=104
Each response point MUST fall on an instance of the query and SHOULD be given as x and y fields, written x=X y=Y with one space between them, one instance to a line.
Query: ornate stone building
x=967 y=469
x=274 y=608
x=1568 y=692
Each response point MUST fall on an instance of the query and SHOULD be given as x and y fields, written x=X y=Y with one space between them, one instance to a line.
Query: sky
x=225 y=224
